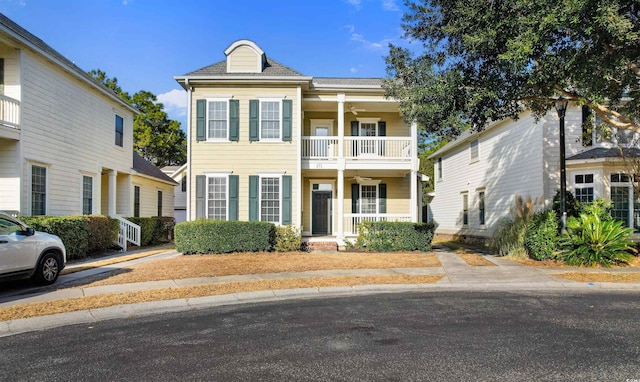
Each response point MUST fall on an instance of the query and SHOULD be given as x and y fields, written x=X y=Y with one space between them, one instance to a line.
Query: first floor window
x=38 y=190
x=481 y=210
x=584 y=188
x=184 y=183
x=270 y=120
x=620 y=201
x=217 y=120
x=217 y=198
x=368 y=200
x=136 y=201
x=465 y=209
x=159 y=203
x=87 y=195
x=270 y=199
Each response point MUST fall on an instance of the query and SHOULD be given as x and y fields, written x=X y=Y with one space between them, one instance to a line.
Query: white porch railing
x=377 y=147
x=320 y=147
x=351 y=221
x=128 y=232
x=9 y=111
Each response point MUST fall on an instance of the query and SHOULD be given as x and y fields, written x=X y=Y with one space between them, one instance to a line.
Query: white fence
x=357 y=148
x=320 y=147
x=351 y=221
x=128 y=232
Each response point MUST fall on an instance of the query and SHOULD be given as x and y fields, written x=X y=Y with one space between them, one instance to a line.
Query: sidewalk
x=457 y=275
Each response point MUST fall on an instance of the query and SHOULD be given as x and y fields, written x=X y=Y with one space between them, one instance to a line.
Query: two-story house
x=269 y=143
x=66 y=141
x=478 y=175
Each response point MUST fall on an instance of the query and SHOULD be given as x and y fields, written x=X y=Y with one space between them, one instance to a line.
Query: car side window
x=7 y=227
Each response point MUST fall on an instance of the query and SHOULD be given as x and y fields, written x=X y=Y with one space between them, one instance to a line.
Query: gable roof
x=24 y=36
x=605 y=152
x=144 y=167
x=272 y=68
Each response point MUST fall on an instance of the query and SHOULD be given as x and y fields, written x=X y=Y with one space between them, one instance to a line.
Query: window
x=184 y=183
x=465 y=209
x=217 y=120
x=473 y=151
x=119 y=131
x=159 y=203
x=1 y=75
x=270 y=199
x=584 y=188
x=270 y=120
x=38 y=190
x=87 y=195
x=368 y=200
x=481 y=208
x=136 y=201
x=620 y=201
x=619 y=178
x=440 y=168
x=217 y=198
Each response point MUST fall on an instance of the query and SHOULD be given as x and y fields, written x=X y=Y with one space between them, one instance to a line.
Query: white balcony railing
x=320 y=147
x=351 y=221
x=370 y=148
x=9 y=112
x=128 y=232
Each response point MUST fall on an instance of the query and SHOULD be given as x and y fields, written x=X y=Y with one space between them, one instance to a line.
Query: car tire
x=48 y=269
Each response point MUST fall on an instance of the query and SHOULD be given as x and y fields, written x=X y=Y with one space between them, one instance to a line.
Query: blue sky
x=144 y=43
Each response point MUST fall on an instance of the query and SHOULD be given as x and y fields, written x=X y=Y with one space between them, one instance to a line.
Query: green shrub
x=288 y=238
x=103 y=233
x=508 y=238
x=595 y=238
x=72 y=230
x=395 y=236
x=215 y=236
x=541 y=235
x=572 y=206
x=153 y=230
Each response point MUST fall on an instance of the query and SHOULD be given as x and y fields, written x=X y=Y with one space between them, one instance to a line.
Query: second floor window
x=217 y=120
x=439 y=164
x=270 y=120
x=119 y=131
x=473 y=151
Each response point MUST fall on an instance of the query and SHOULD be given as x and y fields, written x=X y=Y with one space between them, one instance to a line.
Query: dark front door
x=321 y=213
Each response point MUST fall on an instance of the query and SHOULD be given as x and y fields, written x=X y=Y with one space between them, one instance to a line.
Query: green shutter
x=234 y=120
x=286 y=199
x=382 y=198
x=201 y=111
x=355 y=198
x=254 y=106
x=354 y=128
x=287 y=120
x=254 y=183
x=382 y=132
x=201 y=192
x=233 y=196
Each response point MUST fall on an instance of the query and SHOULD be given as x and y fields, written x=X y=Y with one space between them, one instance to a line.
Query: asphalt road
x=439 y=336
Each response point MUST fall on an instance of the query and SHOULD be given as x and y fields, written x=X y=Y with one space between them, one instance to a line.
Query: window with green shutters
x=270 y=198
x=369 y=199
x=217 y=196
x=217 y=120
x=270 y=120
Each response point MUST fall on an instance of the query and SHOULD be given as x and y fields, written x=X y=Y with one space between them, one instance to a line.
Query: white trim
x=280 y=117
x=47 y=189
x=218 y=175
x=463 y=194
x=368 y=120
x=478 y=191
x=471 y=158
x=93 y=186
x=206 y=127
x=315 y=123
x=334 y=200
x=377 y=188
x=279 y=177
x=259 y=55
x=297 y=220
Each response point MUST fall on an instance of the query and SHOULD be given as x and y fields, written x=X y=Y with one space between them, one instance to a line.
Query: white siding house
x=478 y=175
x=66 y=141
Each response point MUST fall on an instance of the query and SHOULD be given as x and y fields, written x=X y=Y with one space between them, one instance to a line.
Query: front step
x=321 y=246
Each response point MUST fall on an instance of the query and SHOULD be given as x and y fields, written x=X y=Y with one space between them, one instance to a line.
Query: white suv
x=27 y=253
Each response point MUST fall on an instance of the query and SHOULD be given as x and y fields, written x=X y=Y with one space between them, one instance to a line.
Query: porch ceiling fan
x=359 y=178
x=355 y=110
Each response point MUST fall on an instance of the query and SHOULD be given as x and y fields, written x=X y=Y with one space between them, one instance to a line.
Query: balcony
x=9 y=118
x=368 y=149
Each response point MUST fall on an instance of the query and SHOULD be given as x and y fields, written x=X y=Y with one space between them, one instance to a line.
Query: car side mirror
x=30 y=231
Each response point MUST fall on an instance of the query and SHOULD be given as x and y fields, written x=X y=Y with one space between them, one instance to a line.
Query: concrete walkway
x=506 y=275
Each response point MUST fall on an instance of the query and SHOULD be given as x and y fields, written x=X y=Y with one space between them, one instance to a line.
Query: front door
x=321 y=213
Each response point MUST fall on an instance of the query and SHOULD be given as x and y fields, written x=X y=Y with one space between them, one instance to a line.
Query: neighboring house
x=179 y=175
x=268 y=143
x=152 y=189
x=478 y=175
x=66 y=141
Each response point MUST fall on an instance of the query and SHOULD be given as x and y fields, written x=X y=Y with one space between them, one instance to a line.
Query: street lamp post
x=561 y=108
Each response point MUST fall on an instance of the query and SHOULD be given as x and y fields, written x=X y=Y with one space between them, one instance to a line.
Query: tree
x=155 y=137
x=491 y=60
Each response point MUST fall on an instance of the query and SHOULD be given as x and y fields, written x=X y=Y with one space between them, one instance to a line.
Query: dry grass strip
x=474 y=259
x=601 y=277
x=193 y=266
x=115 y=260
x=106 y=300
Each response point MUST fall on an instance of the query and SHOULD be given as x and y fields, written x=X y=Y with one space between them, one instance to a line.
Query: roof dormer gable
x=244 y=56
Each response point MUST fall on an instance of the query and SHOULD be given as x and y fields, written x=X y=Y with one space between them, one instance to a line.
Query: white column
x=341 y=207
x=112 y=192
x=341 y=99
x=415 y=166
x=414 y=196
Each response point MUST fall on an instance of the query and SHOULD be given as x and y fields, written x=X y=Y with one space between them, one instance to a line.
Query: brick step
x=321 y=246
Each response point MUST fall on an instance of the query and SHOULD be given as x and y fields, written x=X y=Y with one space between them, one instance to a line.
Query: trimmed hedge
x=103 y=233
x=154 y=230
x=216 y=236
x=395 y=236
x=72 y=230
